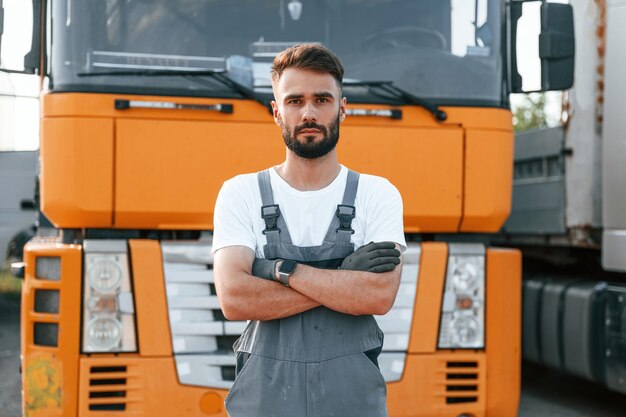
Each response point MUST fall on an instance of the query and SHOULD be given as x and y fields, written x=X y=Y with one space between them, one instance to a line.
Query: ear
x=276 y=113
x=342 y=109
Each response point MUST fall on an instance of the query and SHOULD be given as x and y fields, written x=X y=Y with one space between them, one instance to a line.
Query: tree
x=530 y=113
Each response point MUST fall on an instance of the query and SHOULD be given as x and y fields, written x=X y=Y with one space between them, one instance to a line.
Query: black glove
x=373 y=257
x=264 y=268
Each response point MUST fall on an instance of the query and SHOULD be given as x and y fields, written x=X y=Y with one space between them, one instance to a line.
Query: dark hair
x=309 y=56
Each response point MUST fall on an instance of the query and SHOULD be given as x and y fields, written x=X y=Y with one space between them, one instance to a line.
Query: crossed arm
x=245 y=297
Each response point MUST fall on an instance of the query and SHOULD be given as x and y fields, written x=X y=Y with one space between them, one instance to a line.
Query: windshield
x=447 y=51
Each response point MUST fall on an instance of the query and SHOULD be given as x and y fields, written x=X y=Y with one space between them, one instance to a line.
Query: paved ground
x=10 y=395
x=544 y=393
x=548 y=393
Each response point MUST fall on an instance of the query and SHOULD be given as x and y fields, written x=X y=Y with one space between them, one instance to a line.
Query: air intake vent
x=461 y=382
x=107 y=388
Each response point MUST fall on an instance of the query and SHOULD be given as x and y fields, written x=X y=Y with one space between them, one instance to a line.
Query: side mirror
x=32 y=58
x=557 y=46
x=548 y=64
x=16 y=33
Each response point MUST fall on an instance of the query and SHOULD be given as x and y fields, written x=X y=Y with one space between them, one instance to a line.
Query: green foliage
x=530 y=113
x=9 y=285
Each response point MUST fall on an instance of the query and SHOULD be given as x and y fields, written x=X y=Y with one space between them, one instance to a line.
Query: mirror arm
x=10 y=71
x=515 y=12
x=1 y=25
x=32 y=59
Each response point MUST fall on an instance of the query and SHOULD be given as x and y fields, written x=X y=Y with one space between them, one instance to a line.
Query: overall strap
x=270 y=212
x=265 y=185
x=340 y=229
x=352 y=184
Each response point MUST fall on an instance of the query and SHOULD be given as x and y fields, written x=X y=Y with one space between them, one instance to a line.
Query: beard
x=308 y=148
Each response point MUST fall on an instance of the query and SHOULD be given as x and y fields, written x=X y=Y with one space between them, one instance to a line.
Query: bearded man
x=285 y=259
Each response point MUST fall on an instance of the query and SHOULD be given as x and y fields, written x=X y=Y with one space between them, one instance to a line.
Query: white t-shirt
x=308 y=214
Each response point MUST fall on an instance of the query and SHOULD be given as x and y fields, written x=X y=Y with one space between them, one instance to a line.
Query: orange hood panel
x=163 y=168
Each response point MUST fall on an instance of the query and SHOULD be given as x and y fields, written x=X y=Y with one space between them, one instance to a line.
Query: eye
x=294 y=101
x=322 y=100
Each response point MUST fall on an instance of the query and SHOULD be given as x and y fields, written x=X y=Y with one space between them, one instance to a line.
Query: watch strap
x=283 y=278
x=287 y=267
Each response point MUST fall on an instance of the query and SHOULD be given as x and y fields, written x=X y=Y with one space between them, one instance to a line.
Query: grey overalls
x=319 y=363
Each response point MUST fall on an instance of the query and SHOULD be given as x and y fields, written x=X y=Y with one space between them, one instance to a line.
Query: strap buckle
x=270 y=214
x=345 y=214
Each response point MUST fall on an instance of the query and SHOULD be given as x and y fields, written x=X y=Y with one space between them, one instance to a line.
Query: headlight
x=105 y=274
x=465 y=272
x=105 y=332
x=108 y=311
x=465 y=330
x=462 y=322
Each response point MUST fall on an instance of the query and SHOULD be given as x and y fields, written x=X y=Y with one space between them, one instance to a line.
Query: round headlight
x=104 y=333
x=105 y=275
x=465 y=330
x=465 y=275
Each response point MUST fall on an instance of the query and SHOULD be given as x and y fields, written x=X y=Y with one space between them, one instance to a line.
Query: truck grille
x=202 y=338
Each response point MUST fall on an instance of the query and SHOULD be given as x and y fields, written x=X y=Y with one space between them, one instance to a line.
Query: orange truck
x=148 y=107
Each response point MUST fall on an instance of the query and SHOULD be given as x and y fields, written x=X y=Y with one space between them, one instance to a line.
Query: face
x=308 y=108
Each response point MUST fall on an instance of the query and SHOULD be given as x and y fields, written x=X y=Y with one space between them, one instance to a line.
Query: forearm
x=246 y=297
x=350 y=292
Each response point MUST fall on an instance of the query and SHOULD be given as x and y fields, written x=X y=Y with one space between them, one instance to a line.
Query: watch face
x=287 y=267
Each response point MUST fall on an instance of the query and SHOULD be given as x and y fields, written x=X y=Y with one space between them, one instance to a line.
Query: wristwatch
x=287 y=267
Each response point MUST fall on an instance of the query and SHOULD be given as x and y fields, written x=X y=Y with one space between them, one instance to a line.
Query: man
x=284 y=259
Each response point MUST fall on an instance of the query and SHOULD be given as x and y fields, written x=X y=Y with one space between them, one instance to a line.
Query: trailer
x=569 y=212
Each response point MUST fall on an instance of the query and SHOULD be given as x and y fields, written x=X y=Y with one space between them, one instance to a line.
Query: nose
x=309 y=113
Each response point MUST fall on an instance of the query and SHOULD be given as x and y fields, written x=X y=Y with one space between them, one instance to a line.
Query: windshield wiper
x=397 y=93
x=218 y=75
